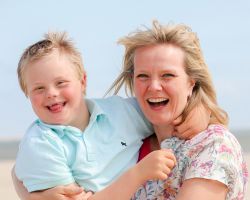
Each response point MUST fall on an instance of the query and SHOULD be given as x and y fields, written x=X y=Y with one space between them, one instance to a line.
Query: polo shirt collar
x=61 y=129
x=95 y=110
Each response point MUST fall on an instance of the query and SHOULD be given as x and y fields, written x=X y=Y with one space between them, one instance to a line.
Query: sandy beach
x=7 y=189
x=9 y=148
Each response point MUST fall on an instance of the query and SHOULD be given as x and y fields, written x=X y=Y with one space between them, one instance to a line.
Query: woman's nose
x=155 y=84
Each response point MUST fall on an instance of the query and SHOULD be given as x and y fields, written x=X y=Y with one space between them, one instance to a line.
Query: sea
x=9 y=146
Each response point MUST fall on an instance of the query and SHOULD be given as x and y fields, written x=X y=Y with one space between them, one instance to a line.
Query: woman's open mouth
x=156 y=102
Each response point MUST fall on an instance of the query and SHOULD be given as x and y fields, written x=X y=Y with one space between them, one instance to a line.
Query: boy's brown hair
x=52 y=41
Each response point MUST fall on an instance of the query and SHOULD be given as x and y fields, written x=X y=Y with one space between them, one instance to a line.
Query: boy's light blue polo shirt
x=51 y=155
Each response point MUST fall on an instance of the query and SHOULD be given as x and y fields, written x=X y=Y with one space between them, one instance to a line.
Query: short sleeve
x=218 y=157
x=124 y=112
x=41 y=163
x=148 y=126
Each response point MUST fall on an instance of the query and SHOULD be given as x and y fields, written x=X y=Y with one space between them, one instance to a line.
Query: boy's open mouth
x=56 y=107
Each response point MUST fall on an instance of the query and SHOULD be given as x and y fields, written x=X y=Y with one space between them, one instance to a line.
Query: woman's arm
x=21 y=191
x=156 y=165
x=199 y=188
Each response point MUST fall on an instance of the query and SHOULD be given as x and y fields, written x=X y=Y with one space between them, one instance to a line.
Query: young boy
x=77 y=140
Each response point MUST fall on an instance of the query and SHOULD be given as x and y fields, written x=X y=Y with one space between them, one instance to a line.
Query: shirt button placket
x=89 y=149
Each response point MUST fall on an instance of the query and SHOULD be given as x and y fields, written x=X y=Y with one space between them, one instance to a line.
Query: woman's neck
x=163 y=132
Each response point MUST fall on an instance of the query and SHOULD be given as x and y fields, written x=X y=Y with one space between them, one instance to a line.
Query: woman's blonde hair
x=52 y=41
x=183 y=37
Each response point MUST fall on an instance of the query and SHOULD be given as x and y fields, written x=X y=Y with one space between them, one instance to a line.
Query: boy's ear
x=84 y=82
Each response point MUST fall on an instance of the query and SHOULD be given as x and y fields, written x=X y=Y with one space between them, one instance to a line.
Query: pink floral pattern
x=213 y=154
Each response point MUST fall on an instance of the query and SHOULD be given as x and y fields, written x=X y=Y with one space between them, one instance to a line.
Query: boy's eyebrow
x=37 y=83
x=60 y=77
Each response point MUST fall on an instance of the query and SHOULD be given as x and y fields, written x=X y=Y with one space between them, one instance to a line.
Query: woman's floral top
x=213 y=154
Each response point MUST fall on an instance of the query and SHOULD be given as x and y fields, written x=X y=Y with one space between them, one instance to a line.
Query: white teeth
x=156 y=100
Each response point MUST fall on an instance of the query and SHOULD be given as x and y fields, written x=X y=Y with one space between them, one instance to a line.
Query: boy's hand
x=196 y=122
x=156 y=165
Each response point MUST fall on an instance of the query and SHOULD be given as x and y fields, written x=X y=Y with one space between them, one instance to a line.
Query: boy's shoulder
x=34 y=130
x=119 y=108
x=37 y=130
x=114 y=99
x=114 y=103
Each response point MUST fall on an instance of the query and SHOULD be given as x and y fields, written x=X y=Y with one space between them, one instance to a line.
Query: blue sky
x=222 y=26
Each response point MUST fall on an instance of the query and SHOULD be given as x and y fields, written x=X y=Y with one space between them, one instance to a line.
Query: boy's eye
x=38 y=89
x=61 y=83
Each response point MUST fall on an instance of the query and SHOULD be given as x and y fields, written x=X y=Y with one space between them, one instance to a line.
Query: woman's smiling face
x=161 y=84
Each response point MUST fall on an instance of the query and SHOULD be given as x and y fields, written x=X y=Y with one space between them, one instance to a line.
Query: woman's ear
x=191 y=87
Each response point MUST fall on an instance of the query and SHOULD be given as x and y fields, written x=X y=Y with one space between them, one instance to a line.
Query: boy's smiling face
x=55 y=90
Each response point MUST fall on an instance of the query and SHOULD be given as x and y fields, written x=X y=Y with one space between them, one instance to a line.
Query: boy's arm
x=196 y=121
x=69 y=192
x=41 y=163
x=36 y=152
x=156 y=165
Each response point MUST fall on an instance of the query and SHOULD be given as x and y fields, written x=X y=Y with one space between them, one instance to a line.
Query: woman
x=164 y=68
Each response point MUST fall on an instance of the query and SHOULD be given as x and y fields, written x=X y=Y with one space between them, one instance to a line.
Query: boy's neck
x=82 y=116
x=85 y=116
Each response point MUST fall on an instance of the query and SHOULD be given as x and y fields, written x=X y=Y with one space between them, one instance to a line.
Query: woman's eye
x=168 y=75
x=142 y=76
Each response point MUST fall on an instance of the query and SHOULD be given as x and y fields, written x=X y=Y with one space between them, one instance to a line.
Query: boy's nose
x=52 y=92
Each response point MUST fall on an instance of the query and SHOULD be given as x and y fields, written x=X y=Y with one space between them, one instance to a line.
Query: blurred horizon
x=239 y=133
x=9 y=146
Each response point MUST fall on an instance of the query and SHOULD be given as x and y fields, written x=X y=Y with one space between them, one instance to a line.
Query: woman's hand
x=68 y=192
x=196 y=122
x=156 y=166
